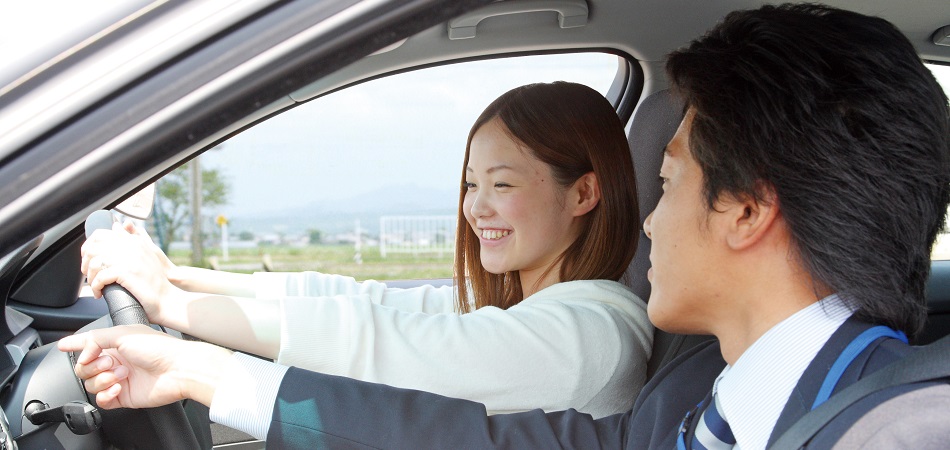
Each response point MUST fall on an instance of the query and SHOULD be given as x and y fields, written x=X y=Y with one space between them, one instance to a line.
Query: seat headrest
x=654 y=124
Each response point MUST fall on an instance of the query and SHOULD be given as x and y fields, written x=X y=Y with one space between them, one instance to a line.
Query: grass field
x=337 y=259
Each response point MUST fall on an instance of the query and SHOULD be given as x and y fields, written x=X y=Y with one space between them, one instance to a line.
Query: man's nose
x=646 y=226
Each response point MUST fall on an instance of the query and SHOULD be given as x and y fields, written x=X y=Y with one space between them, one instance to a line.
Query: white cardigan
x=579 y=344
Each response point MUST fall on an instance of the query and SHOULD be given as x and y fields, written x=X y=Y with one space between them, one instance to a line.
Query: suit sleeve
x=324 y=411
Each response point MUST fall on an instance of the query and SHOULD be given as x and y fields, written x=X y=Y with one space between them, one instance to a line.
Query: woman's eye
x=468 y=186
x=502 y=185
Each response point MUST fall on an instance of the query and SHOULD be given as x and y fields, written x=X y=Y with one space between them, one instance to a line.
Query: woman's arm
x=425 y=299
x=246 y=324
x=132 y=260
x=540 y=350
x=128 y=245
x=195 y=279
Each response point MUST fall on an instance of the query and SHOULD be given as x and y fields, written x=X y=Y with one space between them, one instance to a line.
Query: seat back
x=654 y=124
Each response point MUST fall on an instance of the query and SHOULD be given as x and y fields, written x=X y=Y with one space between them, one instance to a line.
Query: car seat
x=654 y=124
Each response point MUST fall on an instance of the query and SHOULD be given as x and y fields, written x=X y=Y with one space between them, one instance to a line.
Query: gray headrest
x=654 y=124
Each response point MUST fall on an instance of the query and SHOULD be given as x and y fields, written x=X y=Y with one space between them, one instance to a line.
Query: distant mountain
x=340 y=215
x=396 y=199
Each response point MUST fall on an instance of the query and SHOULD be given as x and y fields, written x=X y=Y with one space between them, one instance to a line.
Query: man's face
x=686 y=273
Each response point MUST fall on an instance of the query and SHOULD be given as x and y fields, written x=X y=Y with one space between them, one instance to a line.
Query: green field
x=337 y=259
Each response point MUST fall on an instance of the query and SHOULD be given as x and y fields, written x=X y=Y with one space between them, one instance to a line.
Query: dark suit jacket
x=322 y=411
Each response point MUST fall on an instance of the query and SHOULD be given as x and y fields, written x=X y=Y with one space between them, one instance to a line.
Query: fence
x=417 y=234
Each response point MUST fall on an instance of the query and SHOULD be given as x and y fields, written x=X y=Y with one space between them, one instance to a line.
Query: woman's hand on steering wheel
x=127 y=256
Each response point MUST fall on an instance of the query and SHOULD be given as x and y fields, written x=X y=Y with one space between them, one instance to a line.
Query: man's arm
x=316 y=410
x=136 y=366
x=313 y=408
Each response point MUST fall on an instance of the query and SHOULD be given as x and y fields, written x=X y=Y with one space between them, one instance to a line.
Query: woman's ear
x=586 y=194
x=751 y=219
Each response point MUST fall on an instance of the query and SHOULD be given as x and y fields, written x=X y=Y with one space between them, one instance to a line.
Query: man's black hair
x=836 y=113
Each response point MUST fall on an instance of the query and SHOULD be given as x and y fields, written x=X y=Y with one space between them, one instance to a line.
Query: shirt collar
x=754 y=390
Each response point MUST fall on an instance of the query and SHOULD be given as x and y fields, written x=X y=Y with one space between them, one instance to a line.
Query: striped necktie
x=712 y=431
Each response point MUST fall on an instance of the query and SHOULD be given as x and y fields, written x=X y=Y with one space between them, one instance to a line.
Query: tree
x=316 y=236
x=172 y=202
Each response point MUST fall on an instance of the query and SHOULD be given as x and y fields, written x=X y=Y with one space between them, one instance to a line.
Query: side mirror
x=139 y=205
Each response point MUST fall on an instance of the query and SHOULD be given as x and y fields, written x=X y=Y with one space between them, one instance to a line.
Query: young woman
x=536 y=318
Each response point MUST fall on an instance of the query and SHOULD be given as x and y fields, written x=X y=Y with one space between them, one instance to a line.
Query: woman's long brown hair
x=574 y=130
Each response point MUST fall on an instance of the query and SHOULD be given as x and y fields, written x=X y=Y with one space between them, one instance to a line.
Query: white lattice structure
x=417 y=234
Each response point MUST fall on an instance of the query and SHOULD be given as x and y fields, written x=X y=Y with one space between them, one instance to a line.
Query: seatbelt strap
x=929 y=363
x=847 y=357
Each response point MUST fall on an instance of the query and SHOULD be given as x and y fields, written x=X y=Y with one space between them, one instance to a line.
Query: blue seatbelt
x=857 y=345
x=847 y=357
x=685 y=424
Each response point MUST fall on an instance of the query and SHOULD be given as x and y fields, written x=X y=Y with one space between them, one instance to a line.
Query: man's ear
x=752 y=218
x=585 y=194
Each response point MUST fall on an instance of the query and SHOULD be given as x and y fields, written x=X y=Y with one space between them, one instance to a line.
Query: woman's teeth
x=494 y=234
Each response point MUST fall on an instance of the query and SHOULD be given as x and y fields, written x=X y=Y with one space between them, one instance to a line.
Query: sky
x=392 y=138
x=396 y=139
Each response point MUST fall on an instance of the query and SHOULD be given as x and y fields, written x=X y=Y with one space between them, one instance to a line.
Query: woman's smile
x=490 y=234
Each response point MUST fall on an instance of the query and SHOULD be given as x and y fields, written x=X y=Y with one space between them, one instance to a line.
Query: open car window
x=362 y=182
x=941 y=248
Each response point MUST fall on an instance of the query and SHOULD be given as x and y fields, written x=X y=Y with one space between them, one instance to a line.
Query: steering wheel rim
x=169 y=422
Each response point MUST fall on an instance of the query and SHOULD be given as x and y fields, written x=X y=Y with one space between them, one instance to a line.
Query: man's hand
x=137 y=367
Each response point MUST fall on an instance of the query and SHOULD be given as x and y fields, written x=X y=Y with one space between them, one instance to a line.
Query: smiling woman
x=556 y=195
x=544 y=234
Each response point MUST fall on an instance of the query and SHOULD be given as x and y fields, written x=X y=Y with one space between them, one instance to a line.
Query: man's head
x=832 y=116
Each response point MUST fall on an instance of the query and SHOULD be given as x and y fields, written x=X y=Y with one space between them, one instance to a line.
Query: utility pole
x=197 y=252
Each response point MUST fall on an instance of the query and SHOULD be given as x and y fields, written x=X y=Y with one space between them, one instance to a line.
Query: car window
x=362 y=182
x=941 y=248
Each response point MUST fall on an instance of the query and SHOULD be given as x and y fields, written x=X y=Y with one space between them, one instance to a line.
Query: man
x=802 y=194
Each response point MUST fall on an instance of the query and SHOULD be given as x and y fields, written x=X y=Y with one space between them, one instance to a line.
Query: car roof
x=35 y=33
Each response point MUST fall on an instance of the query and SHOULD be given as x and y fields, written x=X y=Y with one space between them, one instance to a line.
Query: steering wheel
x=169 y=422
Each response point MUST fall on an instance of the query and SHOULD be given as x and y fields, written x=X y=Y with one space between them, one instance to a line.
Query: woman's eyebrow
x=493 y=168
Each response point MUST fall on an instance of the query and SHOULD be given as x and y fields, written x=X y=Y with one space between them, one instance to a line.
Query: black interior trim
x=70 y=318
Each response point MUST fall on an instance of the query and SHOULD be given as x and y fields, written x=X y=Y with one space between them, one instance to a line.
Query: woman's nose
x=480 y=206
x=646 y=226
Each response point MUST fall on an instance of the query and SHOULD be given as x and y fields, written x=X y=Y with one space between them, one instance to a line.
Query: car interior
x=243 y=66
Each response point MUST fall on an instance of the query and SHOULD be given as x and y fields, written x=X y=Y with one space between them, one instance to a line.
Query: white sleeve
x=553 y=353
x=427 y=299
x=245 y=399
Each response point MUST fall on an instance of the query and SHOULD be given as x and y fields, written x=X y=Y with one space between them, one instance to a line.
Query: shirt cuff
x=245 y=399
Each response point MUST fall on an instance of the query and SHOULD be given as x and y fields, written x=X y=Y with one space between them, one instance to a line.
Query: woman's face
x=515 y=207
